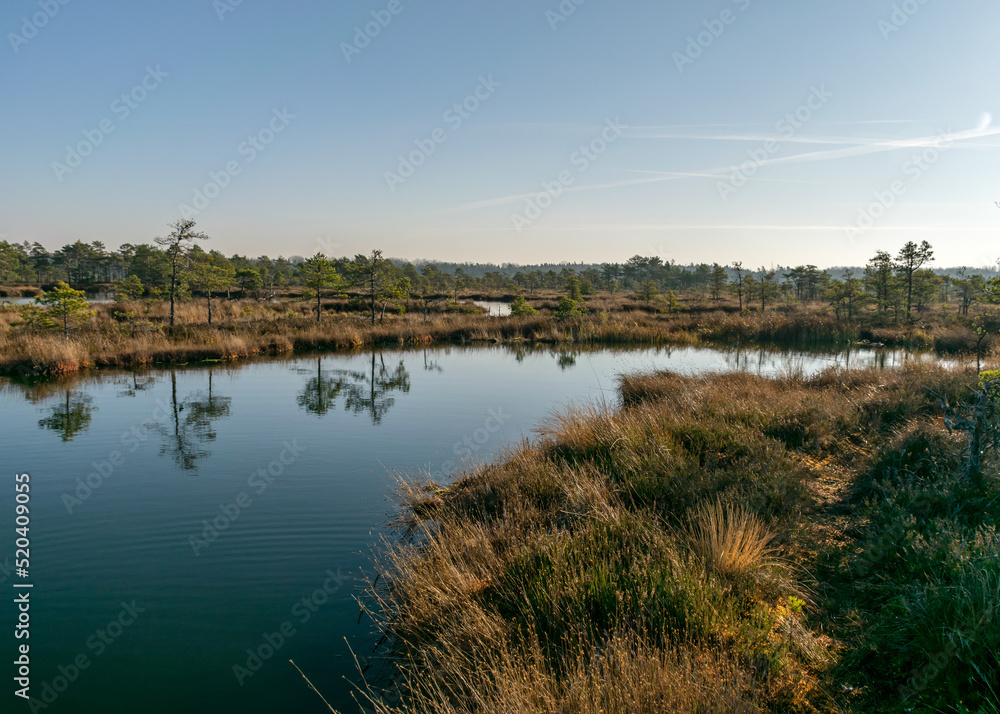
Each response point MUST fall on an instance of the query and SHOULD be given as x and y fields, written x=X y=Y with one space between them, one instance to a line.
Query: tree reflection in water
x=190 y=424
x=133 y=385
x=431 y=365
x=70 y=416
x=368 y=392
x=566 y=359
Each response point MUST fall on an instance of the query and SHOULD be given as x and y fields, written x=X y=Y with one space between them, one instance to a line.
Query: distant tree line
x=176 y=266
x=160 y=264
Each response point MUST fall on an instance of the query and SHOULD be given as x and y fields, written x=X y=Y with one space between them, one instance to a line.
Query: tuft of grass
x=731 y=540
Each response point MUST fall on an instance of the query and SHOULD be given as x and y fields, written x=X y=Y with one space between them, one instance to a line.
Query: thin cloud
x=522 y=196
x=760 y=138
x=820 y=139
x=757 y=227
x=873 y=146
x=688 y=174
x=878 y=121
x=880 y=146
x=670 y=127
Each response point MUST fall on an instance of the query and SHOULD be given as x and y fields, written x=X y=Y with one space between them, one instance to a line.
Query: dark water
x=128 y=582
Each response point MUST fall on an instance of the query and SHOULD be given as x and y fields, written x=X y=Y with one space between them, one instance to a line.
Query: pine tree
x=319 y=273
x=719 y=281
x=912 y=258
x=176 y=245
x=65 y=304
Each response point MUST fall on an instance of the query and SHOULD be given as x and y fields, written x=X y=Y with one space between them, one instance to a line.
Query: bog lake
x=194 y=528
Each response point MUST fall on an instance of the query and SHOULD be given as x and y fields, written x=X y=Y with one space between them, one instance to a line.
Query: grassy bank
x=136 y=334
x=110 y=344
x=720 y=544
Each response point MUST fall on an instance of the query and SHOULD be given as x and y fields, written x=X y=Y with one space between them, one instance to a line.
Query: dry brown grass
x=136 y=333
x=731 y=540
x=626 y=676
x=660 y=557
x=244 y=329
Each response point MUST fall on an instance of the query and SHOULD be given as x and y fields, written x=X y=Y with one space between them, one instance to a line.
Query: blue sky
x=778 y=132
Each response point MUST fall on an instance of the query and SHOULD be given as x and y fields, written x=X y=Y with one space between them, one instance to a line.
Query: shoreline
x=718 y=543
x=109 y=343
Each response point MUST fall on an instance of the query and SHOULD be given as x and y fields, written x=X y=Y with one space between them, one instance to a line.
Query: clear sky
x=768 y=132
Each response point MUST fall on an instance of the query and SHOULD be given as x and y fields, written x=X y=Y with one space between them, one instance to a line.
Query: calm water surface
x=494 y=307
x=93 y=298
x=130 y=471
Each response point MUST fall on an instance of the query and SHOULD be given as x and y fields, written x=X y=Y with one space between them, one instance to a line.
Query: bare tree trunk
x=173 y=287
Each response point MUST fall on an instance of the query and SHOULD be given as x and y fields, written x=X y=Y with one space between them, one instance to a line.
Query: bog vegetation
x=173 y=301
x=728 y=543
